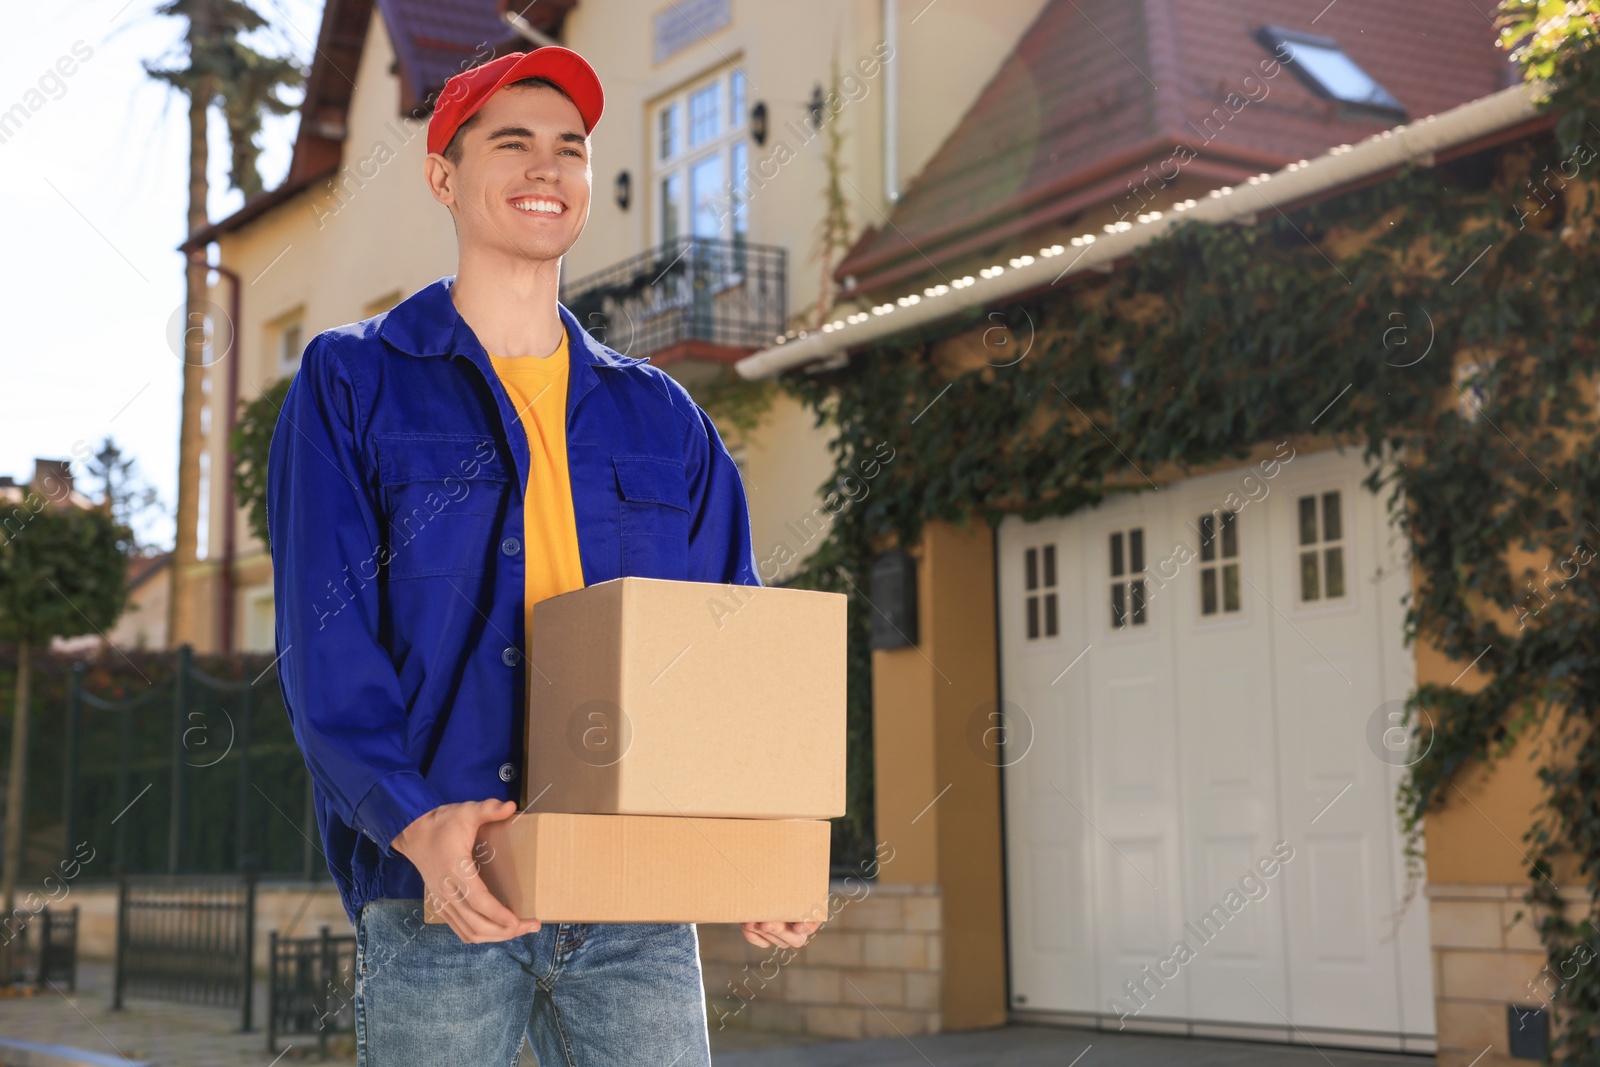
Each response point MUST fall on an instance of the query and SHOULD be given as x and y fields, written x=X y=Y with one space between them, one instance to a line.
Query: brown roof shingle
x=1095 y=90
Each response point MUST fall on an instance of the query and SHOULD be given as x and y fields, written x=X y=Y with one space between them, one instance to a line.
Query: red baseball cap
x=466 y=92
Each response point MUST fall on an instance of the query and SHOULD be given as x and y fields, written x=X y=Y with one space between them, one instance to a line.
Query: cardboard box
x=649 y=697
x=643 y=868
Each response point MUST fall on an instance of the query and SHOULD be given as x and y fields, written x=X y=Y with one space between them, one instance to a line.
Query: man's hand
x=441 y=845
x=771 y=935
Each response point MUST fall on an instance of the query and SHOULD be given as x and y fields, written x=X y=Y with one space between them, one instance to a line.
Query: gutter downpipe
x=891 y=104
x=1415 y=142
x=226 y=592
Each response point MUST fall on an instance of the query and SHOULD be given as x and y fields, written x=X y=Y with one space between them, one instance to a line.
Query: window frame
x=1323 y=605
x=1380 y=103
x=1110 y=577
x=1218 y=564
x=732 y=129
x=1042 y=593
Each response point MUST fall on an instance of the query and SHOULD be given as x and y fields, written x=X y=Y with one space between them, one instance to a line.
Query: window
x=667 y=131
x=286 y=341
x=1321 y=548
x=1039 y=577
x=1324 y=66
x=702 y=160
x=1219 y=563
x=705 y=113
x=259 y=635
x=1127 y=579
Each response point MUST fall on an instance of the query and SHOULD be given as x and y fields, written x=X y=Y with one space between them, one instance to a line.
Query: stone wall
x=1486 y=955
x=874 y=969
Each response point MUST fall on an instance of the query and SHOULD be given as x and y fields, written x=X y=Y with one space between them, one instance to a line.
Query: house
x=1041 y=140
x=1195 y=681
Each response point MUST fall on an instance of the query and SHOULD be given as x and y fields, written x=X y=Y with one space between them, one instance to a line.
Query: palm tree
x=218 y=69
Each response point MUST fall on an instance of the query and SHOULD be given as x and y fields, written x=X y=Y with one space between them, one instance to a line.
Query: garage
x=1200 y=838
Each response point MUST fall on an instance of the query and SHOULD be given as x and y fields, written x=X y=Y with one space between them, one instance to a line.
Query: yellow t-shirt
x=538 y=388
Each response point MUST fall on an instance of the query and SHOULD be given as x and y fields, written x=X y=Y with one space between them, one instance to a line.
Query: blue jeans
x=587 y=994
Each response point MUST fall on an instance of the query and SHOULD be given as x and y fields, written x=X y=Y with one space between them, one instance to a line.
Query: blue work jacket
x=395 y=488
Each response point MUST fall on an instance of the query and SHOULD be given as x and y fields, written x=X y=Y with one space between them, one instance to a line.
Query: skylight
x=1323 y=65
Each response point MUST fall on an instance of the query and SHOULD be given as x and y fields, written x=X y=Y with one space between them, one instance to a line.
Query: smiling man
x=436 y=471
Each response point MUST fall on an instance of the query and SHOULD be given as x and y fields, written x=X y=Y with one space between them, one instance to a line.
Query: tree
x=122 y=489
x=62 y=574
x=218 y=69
x=252 y=441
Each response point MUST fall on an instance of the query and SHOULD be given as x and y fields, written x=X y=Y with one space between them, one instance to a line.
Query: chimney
x=52 y=479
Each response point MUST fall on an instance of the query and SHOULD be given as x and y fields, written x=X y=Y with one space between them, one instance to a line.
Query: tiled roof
x=1095 y=90
x=435 y=40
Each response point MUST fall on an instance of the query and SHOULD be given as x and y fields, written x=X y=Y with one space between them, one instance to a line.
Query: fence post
x=249 y=949
x=242 y=850
x=69 y=806
x=325 y=967
x=272 y=990
x=310 y=832
x=44 y=948
x=180 y=693
x=72 y=971
x=122 y=938
x=120 y=857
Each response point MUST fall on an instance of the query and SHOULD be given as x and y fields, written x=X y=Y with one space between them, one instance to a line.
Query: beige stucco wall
x=331 y=253
x=938 y=801
x=786 y=49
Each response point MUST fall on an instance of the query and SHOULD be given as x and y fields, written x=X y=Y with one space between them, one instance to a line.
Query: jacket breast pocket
x=444 y=500
x=654 y=516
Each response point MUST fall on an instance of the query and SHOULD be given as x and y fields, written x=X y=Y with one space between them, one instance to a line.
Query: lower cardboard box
x=559 y=867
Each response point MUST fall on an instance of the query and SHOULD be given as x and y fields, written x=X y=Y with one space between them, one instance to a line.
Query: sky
x=93 y=194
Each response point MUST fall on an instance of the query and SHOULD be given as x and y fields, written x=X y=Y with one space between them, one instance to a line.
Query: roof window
x=1323 y=65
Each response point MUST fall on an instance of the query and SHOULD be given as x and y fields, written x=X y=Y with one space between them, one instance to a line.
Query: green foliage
x=1540 y=33
x=122 y=489
x=236 y=78
x=211 y=723
x=252 y=439
x=62 y=572
x=1215 y=339
x=828 y=570
x=735 y=404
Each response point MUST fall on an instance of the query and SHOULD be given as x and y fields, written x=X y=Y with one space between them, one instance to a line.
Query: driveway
x=1037 y=1046
x=181 y=1035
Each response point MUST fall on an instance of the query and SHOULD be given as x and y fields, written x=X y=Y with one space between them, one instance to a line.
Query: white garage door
x=1200 y=836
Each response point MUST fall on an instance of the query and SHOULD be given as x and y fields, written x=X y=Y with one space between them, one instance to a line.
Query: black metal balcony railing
x=717 y=292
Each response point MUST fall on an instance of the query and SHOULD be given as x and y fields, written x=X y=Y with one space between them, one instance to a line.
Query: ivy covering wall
x=1442 y=321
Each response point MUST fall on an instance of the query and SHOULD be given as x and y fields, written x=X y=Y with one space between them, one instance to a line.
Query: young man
x=435 y=472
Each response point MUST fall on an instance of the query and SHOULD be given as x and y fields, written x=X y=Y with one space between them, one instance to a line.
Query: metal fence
x=188 y=938
x=177 y=769
x=50 y=955
x=311 y=988
x=720 y=292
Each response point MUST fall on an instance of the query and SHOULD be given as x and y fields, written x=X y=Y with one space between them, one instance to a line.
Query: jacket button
x=510 y=546
x=507 y=772
x=510 y=657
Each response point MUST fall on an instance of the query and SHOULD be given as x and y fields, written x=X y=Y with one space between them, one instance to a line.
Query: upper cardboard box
x=649 y=697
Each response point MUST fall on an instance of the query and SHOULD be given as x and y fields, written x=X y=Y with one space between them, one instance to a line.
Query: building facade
x=1204 y=744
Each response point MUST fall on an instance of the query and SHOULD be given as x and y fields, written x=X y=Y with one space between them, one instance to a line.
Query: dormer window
x=1323 y=65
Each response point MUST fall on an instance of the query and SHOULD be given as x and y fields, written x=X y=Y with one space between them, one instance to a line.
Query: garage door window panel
x=1128 y=589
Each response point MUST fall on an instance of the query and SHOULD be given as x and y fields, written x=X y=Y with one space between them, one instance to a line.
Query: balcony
x=696 y=298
